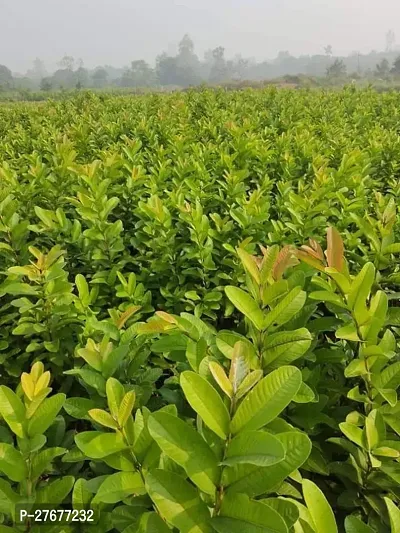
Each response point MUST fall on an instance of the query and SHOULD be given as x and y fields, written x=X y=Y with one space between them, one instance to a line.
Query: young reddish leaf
x=335 y=250
x=286 y=258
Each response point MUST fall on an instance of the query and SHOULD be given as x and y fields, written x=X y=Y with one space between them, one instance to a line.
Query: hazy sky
x=119 y=31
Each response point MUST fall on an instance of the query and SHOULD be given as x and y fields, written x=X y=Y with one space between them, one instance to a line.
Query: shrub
x=173 y=355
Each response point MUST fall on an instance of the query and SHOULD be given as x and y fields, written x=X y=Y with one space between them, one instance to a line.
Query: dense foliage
x=177 y=350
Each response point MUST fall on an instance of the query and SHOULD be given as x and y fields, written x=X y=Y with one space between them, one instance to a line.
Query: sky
x=115 y=32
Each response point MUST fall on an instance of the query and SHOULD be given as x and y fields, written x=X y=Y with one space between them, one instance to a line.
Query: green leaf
x=391 y=397
x=348 y=332
x=305 y=394
x=249 y=264
x=119 y=486
x=79 y=407
x=353 y=524
x=178 y=502
x=271 y=293
x=192 y=295
x=8 y=498
x=269 y=260
x=90 y=377
x=289 y=306
x=285 y=508
x=221 y=378
x=389 y=378
x=361 y=286
x=45 y=414
x=226 y=341
x=122 y=460
x=356 y=367
x=56 y=491
x=240 y=365
x=42 y=461
x=246 y=305
x=385 y=451
x=207 y=403
x=254 y=447
x=285 y=347
x=394 y=515
x=239 y=514
x=341 y=280
x=12 y=462
x=393 y=317
x=115 y=392
x=248 y=383
x=16 y=288
x=328 y=296
x=375 y=429
x=81 y=496
x=96 y=444
x=83 y=289
x=151 y=523
x=45 y=216
x=267 y=400
x=353 y=433
x=196 y=352
x=126 y=407
x=170 y=343
x=103 y=418
x=92 y=357
x=187 y=448
x=113 y=360
x=254 y=480
x=319 y=508
x=12 y=410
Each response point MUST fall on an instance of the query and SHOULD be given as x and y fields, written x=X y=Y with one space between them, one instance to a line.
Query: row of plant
x=166 y=186
x=173 y=354
x=171 y=423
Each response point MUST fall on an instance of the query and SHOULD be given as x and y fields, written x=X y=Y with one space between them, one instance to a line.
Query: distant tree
x=63 y=78
x=140 y=74
x=382 y=69
x=66 y=62
x=186 y=48
x=208 y=56
x=396 y=66
x=337 y=69
x=113 y=73
x=24 y=83
x=188 y=64
x=167 y=69
x=46 y=84
x=6 y=77
x=282 y=55
x=328 y=50
x=100 y=77
x=39 y=69
x=171 y=72
x=82 y=77
x=390 y=40
x=219 y=67
x=238 y=68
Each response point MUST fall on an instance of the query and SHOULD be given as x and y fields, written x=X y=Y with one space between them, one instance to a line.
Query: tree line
x=186 y=69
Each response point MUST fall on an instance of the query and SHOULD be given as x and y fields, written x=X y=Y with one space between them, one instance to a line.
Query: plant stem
x=219 y=496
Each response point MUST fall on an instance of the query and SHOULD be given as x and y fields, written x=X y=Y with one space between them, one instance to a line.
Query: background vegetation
x=186 y=69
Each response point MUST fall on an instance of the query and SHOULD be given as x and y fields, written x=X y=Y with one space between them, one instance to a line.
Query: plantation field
x=199 y=317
